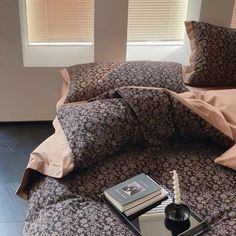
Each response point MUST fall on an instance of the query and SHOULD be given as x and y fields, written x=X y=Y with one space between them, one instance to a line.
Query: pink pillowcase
x=228 y=158
x=218 y=107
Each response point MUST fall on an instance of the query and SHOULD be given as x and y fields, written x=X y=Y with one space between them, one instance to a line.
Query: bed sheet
x=70 y=206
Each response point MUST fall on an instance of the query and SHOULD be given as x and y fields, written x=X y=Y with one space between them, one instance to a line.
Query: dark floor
x=17 y=141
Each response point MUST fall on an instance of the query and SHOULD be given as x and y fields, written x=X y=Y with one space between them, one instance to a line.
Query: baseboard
x=25 y=123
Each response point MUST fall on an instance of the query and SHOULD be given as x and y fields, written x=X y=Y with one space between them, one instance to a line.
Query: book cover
x=133 y=189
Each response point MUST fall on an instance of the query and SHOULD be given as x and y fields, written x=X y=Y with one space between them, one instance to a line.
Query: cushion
x=218 y=107
x=87 y=81
x=213 y=58
x=228 y=158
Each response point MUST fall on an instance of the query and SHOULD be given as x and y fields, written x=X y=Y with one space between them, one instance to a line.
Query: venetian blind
x=156 y=20
x=59 y=21
x=233 y=23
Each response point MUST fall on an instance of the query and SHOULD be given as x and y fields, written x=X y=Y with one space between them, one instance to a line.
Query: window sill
x=57 y=55
x=65 y=55
x=156 y=52
x=61 y=44
x=159 y=43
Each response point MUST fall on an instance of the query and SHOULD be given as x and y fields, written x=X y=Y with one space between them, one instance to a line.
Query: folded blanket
x=94 y=130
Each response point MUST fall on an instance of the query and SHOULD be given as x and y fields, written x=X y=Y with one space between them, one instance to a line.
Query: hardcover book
x=133 y=192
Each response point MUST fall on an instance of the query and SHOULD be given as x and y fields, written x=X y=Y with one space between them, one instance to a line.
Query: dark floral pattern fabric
x=97 y=129
x=213 y=60
x=129 y=115
x=93 y=79
x=70 y=206
x=120 y=134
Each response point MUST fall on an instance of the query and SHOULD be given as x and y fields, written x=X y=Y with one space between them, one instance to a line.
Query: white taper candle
x=177 y=198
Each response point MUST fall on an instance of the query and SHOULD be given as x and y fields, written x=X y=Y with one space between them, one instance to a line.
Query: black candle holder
x=177 y=218
x=177 y=227
x=177 y=212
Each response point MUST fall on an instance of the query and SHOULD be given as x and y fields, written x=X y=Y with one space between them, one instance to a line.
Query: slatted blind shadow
x=59 y=20
x=156 y=20
x=233 y=23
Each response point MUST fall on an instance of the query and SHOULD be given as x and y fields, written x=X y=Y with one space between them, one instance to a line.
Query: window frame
x=51 y=54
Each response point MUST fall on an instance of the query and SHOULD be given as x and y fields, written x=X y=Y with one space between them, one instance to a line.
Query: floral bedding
x=70 y=206
x=121 y=133
x=90 y=80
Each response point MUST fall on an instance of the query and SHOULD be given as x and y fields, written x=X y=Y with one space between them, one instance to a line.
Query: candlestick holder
x=177 y=211
x=177 y=227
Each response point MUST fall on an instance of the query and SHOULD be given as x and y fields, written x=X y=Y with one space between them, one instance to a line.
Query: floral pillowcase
x=213 y=58
x=87 y=81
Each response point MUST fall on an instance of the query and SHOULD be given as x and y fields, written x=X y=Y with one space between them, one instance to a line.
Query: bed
x=118 y=119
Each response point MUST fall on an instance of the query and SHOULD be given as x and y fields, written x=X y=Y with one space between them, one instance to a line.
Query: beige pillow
x=218 y=107
x=228 y=158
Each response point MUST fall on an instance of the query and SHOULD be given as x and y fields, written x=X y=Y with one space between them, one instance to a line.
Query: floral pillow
x=86 y=81
x=213 y=58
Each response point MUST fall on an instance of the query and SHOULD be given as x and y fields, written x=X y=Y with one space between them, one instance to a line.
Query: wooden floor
x=16 y=143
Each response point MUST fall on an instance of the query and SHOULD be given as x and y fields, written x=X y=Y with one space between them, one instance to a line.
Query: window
x=59 y=21
x=233 y=23
x=156 y=20
x=68 y=25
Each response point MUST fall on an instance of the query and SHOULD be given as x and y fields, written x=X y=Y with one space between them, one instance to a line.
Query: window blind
x=59 y=21
x=156 y=20
x=233 y=23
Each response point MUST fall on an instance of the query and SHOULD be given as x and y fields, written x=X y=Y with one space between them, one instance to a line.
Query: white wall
x=218 y=12
x=25 y=93
x=28 y=94
x=110 y=30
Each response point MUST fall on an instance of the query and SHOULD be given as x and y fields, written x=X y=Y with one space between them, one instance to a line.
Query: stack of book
x=135 y=194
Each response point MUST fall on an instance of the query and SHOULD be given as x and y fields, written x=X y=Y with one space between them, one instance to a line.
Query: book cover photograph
x=133 y=188
x=135 y=194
